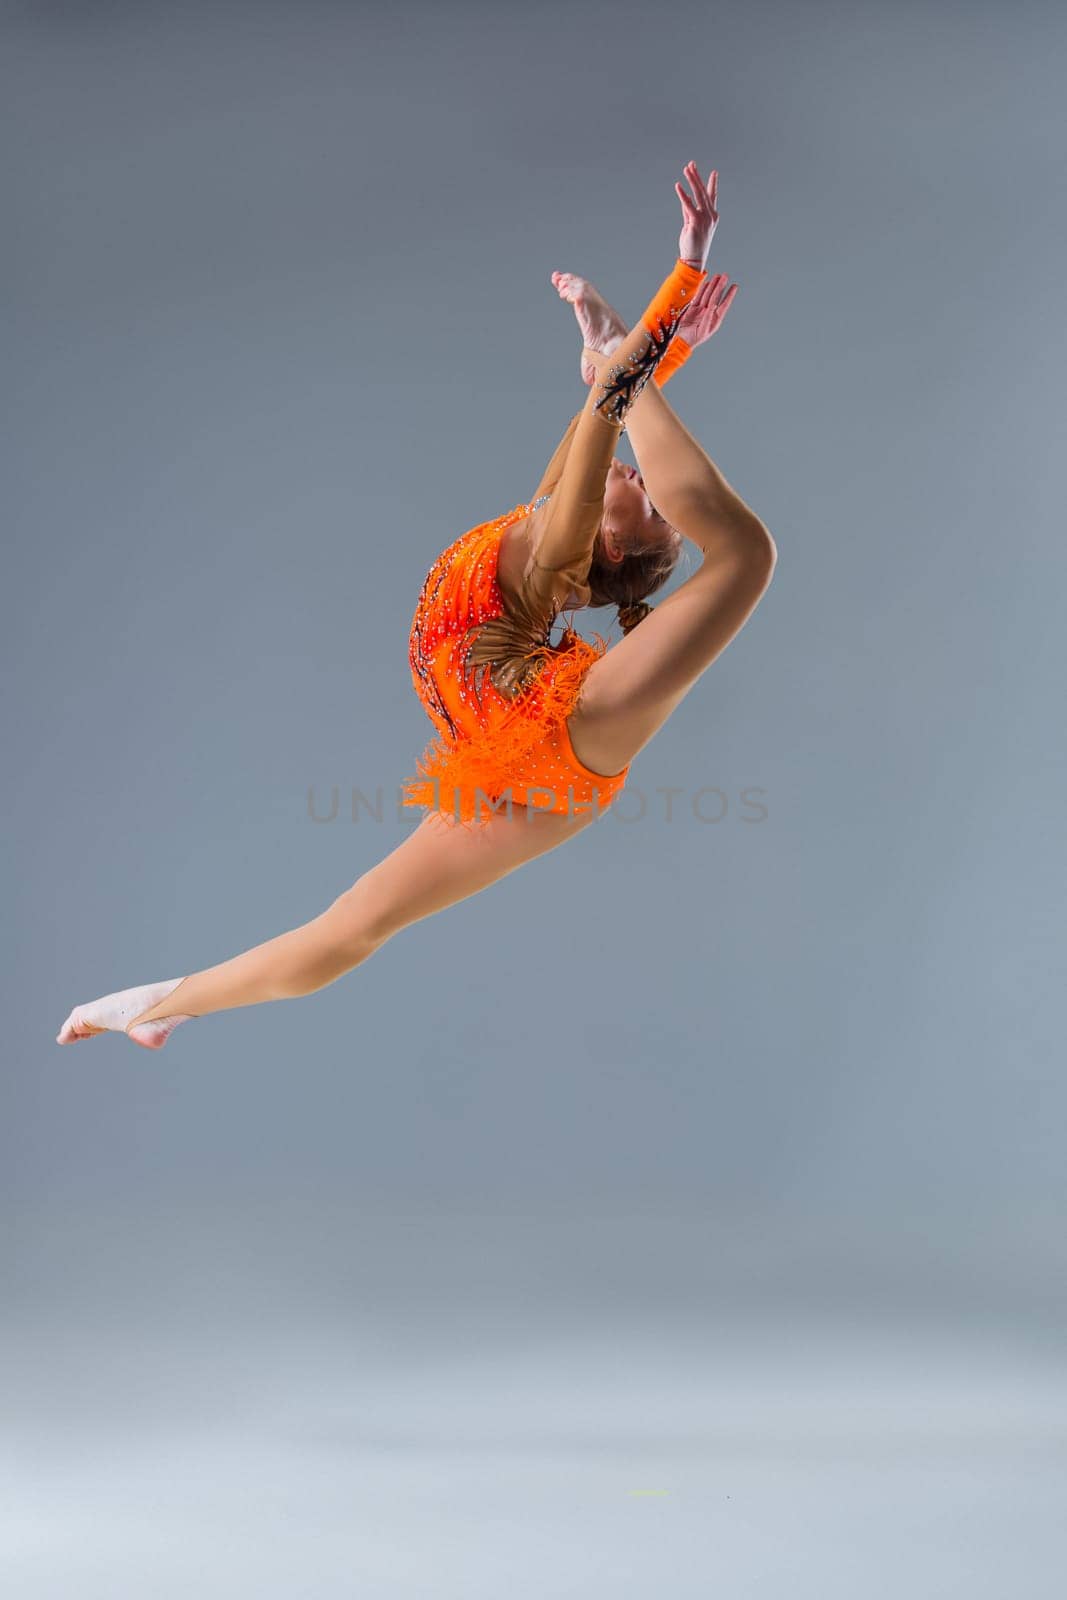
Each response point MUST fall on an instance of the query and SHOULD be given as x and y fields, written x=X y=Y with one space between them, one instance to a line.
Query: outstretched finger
x=713 y=190
x=704 y=298
x=700 y=198
x=727 y=301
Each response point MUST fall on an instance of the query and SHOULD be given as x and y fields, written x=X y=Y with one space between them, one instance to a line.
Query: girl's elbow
x=730 y=533
x=756 y=550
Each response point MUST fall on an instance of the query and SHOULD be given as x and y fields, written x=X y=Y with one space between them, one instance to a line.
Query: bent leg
x=436 y=866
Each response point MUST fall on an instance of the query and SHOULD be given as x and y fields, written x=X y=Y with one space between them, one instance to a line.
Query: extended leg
x=437 y=865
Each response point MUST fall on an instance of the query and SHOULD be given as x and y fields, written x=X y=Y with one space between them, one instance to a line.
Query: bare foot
x=117 y=1013
x=601 y=327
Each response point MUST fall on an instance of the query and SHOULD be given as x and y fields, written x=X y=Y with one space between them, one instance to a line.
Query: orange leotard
x=496 y=688
x=488 y=736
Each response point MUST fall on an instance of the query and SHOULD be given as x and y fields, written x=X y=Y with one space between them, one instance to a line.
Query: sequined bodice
x=496 y=636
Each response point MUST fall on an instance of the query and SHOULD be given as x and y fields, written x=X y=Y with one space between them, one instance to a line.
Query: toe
x=76 y=1028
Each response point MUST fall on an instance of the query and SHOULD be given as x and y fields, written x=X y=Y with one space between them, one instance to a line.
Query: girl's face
x=630 y=521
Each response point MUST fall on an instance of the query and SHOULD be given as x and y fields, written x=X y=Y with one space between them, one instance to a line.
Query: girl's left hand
x=704 y=314
x=702 y=317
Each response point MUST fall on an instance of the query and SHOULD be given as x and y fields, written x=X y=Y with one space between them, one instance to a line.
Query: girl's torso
x=484 y=569
x=475 y=615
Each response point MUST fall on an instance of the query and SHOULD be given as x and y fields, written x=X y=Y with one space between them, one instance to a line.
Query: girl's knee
x=359 y=925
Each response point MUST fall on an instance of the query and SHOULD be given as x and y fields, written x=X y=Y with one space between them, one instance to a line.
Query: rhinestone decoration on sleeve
x=621 y=386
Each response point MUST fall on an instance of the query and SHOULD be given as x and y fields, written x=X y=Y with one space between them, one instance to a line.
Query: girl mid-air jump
x=533 y=740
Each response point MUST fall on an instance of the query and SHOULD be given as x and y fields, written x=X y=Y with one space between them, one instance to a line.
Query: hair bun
x=631 y=615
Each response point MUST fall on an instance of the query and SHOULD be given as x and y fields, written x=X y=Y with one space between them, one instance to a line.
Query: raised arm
x=676 y=469
x=561 y=559
x=700 y=218
x=677 y=354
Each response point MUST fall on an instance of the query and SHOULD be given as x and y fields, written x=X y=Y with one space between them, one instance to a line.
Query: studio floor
x=473 y=1458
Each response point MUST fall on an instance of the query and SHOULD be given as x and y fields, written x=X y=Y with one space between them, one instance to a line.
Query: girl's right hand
x=704 y=314
x=699 y=216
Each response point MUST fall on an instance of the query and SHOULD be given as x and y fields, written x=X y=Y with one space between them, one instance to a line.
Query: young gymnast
x=532 y=739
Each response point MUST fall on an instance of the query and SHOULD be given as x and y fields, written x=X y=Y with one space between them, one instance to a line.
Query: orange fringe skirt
x=492 y=751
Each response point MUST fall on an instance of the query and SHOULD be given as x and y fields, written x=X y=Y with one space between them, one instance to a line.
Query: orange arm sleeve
x=677 y=356
x=561 y=560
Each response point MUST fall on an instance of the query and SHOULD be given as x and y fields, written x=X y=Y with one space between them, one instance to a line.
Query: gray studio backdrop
x=736 y=1265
